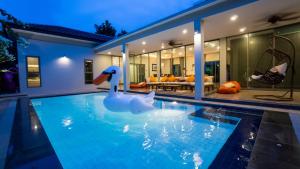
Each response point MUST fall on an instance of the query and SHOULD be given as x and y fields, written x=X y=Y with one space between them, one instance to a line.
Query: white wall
x=101 y=62
x=56 y=77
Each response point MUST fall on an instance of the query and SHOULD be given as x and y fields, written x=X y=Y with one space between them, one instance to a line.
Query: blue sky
x=83 y=14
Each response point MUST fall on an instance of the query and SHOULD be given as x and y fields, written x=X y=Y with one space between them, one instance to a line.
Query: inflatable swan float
x=119 y=102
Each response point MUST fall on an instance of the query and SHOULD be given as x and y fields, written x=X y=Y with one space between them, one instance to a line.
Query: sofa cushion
x=164 y=79
x=190 y=79
x=171 y=79
x=153 y=79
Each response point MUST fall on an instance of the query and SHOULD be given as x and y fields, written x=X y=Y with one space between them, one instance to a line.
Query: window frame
x=92 y=72
x=27 y=72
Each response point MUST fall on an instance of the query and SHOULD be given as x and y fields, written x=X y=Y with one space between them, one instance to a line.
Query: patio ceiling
x=250 y=16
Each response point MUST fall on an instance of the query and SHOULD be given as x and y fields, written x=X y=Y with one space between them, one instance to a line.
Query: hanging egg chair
x=277 y=70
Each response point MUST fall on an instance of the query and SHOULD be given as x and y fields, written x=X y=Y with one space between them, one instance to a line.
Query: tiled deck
x=248 y=95
x=277 y=143
x=7 y=113
x=245 y=94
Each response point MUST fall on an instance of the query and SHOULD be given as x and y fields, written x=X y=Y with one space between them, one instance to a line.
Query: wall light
x=184 y=31
x=243 y=29
x=234 y=17
x=64 y=60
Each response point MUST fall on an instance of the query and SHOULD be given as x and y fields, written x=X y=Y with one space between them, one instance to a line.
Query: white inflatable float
x=119 y=102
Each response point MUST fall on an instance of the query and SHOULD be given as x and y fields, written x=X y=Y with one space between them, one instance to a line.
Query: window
x=88 y=71
x=33 y=71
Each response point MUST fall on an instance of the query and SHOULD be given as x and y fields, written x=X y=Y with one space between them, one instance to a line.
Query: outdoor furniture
x=153 y=85
x=231 y=87
x=139 y=85
x=209 y=87
x=166 y=87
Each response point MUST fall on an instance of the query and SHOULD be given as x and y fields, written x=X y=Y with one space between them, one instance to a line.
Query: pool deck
x=7 y=112
x=277 y=142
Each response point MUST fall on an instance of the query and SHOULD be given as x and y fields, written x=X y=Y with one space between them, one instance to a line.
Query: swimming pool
x=86 y=135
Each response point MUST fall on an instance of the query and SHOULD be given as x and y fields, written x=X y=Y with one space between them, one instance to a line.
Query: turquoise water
x=86 y=135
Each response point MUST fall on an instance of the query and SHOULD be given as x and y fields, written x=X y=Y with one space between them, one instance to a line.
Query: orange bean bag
x=139 y=85
x=230 y=87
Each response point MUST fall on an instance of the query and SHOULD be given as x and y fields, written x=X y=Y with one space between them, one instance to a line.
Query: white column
x=158 y=65
x=223 y=61
x=125 y=56
x=199 y=58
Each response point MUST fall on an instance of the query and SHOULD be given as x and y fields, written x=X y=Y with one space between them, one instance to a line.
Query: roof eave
x=223 y=5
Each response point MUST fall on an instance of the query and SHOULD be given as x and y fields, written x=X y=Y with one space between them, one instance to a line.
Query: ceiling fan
x=278 y=18
x=173 y=43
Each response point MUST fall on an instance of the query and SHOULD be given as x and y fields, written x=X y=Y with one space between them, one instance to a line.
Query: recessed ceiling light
x=234 y=17
x=144 y=43
x=243 y=29
x=109 y=53
x=184 y=31
x=144 y=50
x=162 y=47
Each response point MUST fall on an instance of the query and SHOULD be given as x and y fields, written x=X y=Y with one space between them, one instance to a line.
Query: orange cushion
x=164 y=79
x=171 y=79
x=190 y=79
x=153 y=79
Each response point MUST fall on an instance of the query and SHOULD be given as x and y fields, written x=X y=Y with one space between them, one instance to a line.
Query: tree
x=106 y=28
x=8 y=36
x=122 y=32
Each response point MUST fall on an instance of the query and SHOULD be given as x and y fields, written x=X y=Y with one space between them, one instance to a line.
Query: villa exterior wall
x=59 y=74
x=101 y=62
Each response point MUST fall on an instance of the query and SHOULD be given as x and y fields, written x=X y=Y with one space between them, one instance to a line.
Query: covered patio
x=191 y=53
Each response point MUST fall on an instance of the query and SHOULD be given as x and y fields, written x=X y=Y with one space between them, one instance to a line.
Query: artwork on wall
x=154 y=67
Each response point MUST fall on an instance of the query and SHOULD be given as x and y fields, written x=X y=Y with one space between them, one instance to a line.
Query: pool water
x=84 y=134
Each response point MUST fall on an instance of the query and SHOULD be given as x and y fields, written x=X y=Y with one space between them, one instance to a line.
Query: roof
x=200 y=9
x=65 y=32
